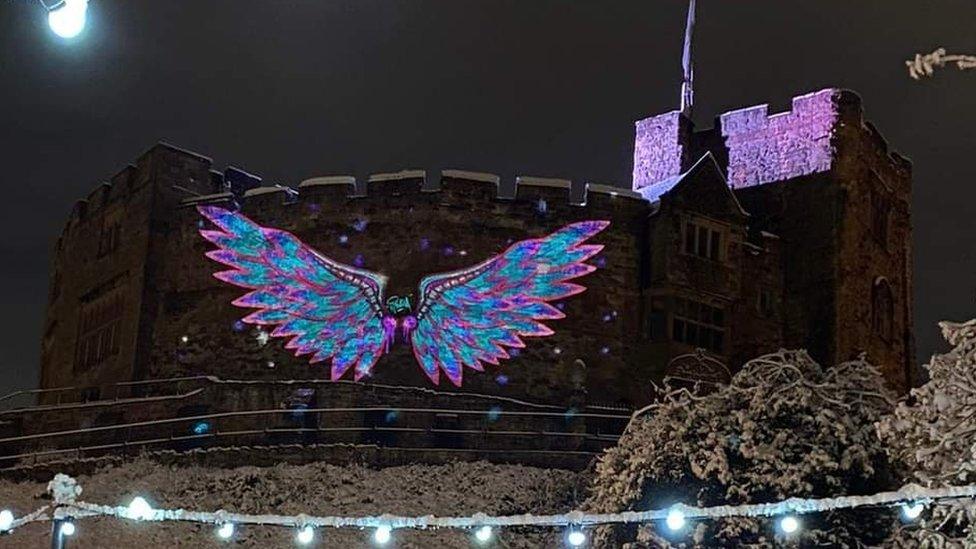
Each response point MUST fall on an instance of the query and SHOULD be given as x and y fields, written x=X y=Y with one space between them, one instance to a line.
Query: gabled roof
x=653 y=193
x=706 y=167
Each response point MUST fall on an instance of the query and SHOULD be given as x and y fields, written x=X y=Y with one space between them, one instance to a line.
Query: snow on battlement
x=576 y=193
x=190 y=179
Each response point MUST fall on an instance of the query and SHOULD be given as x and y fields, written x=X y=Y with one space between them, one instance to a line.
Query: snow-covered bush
x=933 y=433
x=784 y=427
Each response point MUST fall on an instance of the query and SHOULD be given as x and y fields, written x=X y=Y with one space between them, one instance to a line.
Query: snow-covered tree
x=933 y=433
x=784 y=427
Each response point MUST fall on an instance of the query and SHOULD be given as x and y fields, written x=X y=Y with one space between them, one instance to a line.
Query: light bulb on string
x=305 y=535
x=912 y=511
x=139 y=509
x=226 y=530
x=483 y=534
x=789 y=524
x=382 y=535
x=675 y=520
x=576 y=537
x=67 y=528
x=6 y=520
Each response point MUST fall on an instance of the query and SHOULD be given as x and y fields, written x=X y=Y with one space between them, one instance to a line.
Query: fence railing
x=124 y=390
x=137 y=390
x=473 y=430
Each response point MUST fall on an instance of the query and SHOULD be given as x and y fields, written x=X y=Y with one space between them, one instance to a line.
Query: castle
x=789 y=230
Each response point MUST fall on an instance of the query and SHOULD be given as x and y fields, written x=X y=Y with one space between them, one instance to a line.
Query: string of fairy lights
x=787 y=514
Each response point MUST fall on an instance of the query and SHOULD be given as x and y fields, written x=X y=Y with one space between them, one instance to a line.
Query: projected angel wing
x=470 y=316
x=328 y=309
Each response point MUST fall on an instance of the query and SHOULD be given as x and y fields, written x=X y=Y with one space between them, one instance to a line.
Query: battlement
x=190 y=174
x=188 y=171
x=754 y=146
x=764 y=148
x=347 y=186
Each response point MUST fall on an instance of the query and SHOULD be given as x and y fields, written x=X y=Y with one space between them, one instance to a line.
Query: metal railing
x=488 y=432
x=131 y=388
x=63 y=394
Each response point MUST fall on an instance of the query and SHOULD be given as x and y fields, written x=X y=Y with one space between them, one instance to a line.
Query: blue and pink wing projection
x=334 y=311
x=327 y=309
x=469 y=317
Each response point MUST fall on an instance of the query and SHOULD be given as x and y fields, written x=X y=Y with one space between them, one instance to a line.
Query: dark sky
x=293 y=89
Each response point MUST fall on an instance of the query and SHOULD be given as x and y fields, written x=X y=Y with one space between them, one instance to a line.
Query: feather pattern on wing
x=470 y=316
x=326 y=308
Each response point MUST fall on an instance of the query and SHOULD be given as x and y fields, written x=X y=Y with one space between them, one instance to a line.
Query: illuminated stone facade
x=790 y=230
x=821 y=186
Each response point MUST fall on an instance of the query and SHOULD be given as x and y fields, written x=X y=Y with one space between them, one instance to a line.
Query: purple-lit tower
x=822 y=179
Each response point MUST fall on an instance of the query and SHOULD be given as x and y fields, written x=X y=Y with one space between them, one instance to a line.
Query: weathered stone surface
x=798 y=262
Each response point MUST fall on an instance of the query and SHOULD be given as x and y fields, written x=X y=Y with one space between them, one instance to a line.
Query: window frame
x=109 y=235
x=766 y=304
x=689 y=314
x=99 y=330
x=883 y=321
x=704 y=239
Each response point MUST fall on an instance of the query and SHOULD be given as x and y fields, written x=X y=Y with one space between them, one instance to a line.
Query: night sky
x=295 y=89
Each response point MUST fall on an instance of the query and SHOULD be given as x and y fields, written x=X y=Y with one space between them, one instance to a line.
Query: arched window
x=882 y=309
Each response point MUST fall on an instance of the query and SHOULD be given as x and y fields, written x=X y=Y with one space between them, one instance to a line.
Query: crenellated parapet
x=764 y=148
x=187 y=178
x=420 y=181
x=756 y=147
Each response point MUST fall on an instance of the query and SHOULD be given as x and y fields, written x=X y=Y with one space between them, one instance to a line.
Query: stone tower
x=822 y=179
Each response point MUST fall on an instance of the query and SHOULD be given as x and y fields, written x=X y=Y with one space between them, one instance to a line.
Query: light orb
x=483 y=534
x=305 y=535
x=675 y=520
x=382 y=535
x=140 y=509
x=912 y=511
x=67 y=528
x=225 y=531
x=6 y=520
x=576 y=538
x=789 y=525
x=69 y=18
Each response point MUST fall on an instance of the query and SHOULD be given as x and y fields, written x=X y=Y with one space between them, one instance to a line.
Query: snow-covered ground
x=315 y=489
x=785 y=427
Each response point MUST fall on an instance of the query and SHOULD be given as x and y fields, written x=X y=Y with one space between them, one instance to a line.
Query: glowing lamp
x=139 y=509
x=67 y=528
x=483 y=534
x=789 y=524
x=675 y=520
x=6 y=520
x=382 y=535
x=225 y=531
x=576 y=538
x=305 y=535
x=911 y=511
x=68 y=18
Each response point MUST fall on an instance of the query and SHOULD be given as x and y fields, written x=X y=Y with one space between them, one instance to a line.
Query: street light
x=67 y=18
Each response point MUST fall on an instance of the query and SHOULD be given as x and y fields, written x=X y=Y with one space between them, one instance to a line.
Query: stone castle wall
x=809 y=175
x=462 y=218
x=406 y=231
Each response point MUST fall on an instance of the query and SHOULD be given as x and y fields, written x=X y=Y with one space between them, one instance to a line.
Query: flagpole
x=687 y=69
